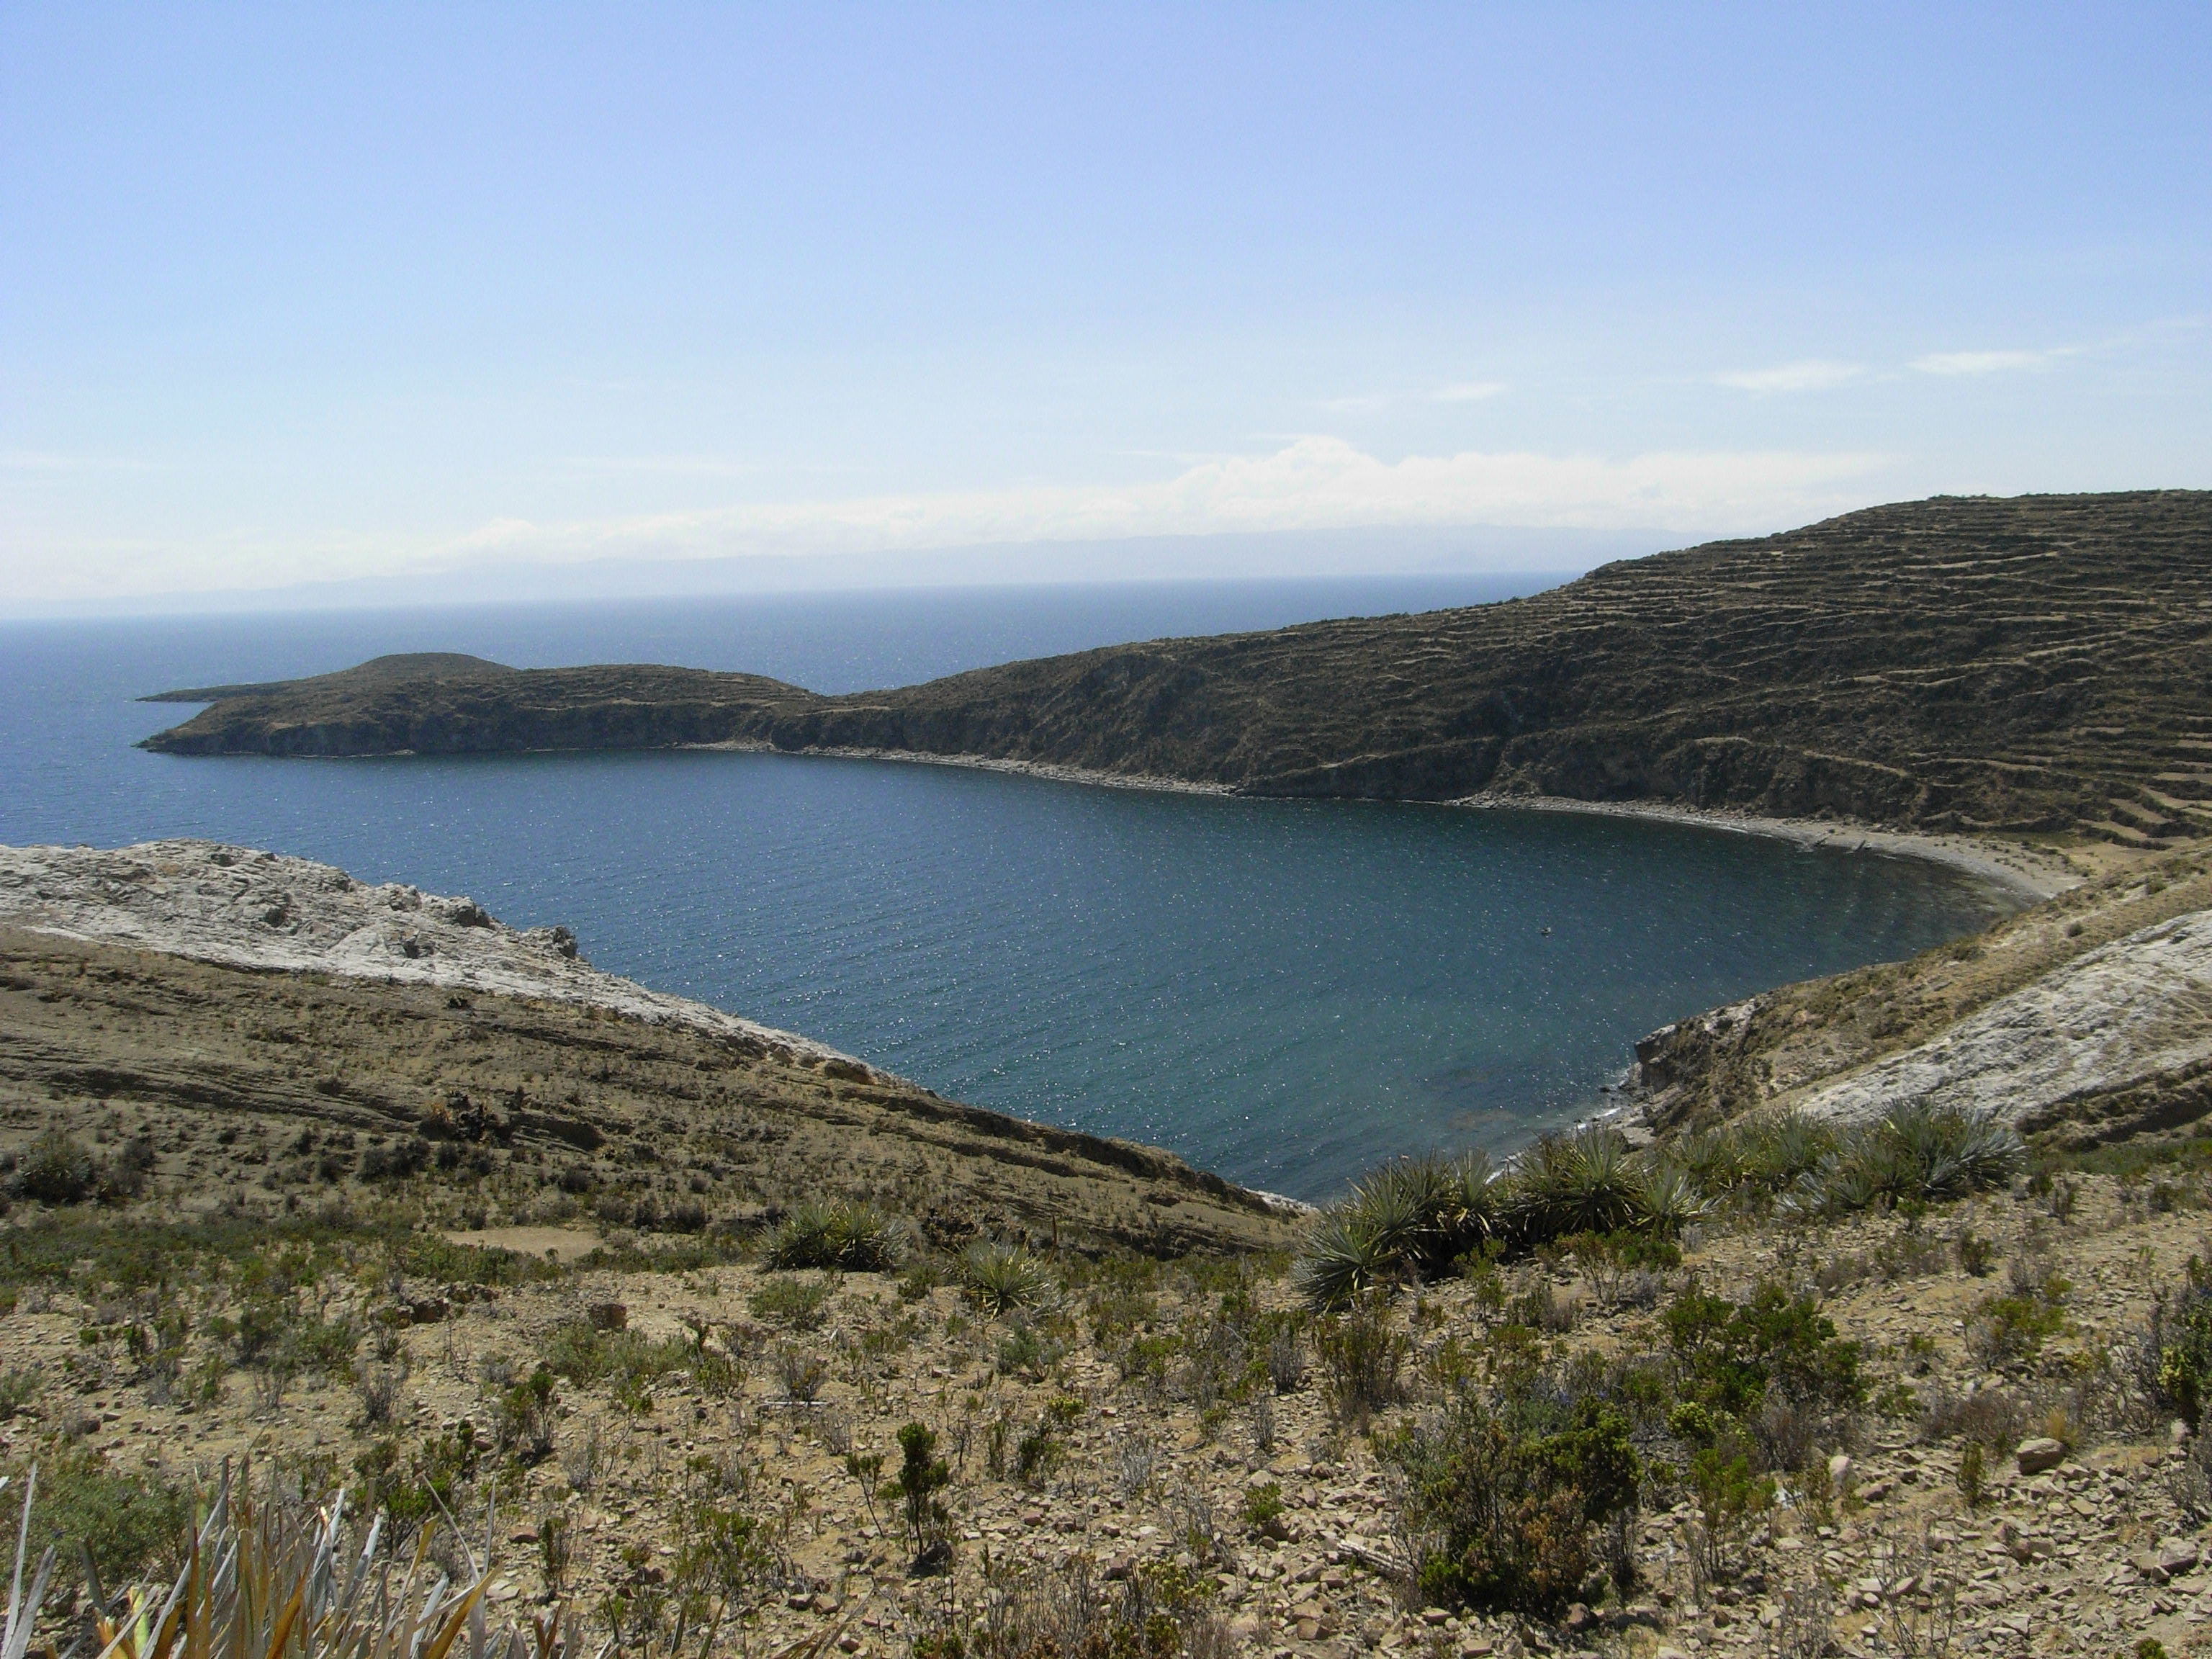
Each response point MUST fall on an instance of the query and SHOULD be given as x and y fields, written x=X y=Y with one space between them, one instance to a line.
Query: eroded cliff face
x=2116 y=1043
x=1964 y=664
x=2088 y=1017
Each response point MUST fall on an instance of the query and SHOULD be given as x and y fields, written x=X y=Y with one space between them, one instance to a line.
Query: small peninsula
x=213 y=984
x=2028 y=665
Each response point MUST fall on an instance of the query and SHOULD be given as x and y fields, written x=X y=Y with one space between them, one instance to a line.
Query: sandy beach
x=2030 y=872
x=989 y=764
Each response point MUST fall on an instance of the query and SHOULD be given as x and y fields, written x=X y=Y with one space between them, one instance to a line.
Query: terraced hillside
x=2031 y=663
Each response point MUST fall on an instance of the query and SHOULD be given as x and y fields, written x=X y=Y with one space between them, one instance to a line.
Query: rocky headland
x=233 y=999
x=2025 y=666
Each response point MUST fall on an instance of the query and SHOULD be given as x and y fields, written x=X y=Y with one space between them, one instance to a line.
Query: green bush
x=854 y=1238
x=1504 y=1500
x=414 y=1489
x=134 y=1524
x=799 y=1304
x=922 y=1475
x=523 y=1417
x=56 y=1169
x=586 y=1355
x=1262 y=1504
x=2178 y=1349
x=2007 y=1326
x=1026 y=1352
x=1729 y=1354
x=1361 y=1357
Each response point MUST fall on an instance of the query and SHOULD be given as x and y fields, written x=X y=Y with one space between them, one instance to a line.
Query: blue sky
x=312 y=292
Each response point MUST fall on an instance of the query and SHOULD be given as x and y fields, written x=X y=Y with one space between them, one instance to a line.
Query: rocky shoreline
x=1046 y=769
x=2025 y=873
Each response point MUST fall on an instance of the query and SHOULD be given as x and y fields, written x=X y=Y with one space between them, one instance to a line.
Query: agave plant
x=262 y=1577
x=1718 y=1160
x=1946 y=1153
x=1001 y=1278
x=1782 y=1147
x=854 y=1238
x=1343 y=1258
x=266 y=1580
x=1862 y=1174
x=1397 y=1207
x=23 y=1610
x=1475 y=1205
x=1666 y=1198
x=1409 y=1220
x=1580 y=1183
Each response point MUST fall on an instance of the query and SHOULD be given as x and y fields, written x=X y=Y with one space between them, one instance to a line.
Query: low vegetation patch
x=1420 y=1219
x=1505 y=1497
x=854 y=1238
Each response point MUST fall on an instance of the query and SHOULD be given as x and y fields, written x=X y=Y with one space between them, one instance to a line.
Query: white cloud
x=1808 y=375
x=1306 y=484
x=44 y=460
x=1467 y=392
x=1986 y=362
x=1314 y=482
x=705 y=466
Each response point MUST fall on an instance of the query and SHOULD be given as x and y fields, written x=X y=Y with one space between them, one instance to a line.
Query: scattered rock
x=2040 y=1455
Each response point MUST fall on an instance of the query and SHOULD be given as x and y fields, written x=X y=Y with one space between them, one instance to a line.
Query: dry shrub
x=1996 y=1418
x=1361 y=1357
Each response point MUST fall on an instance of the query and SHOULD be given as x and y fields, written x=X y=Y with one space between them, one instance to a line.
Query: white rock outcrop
x=249 y=908
x=2126 y=1013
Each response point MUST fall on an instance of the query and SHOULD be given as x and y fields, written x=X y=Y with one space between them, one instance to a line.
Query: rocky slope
x=2087 y=1018
x=267 y=1031
x=1107 y=1437
x=2031 y=663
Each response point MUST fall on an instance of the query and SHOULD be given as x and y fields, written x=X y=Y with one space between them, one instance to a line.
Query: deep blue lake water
x=1288 y=992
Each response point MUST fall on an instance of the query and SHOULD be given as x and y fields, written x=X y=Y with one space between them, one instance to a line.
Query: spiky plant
x=1399 y=1205
x=1581 y=1182
x=1343 y=1258
x=854 y=1238
x=267 y=1579
x=1666 y=1198
x=1782 y=1147
x=999 y=1279
x=1944 y=1152
x=1859 y=1176
x=264 y=1574
x=23 y=1610
x=1718 y=1160
x=1475 y=1205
